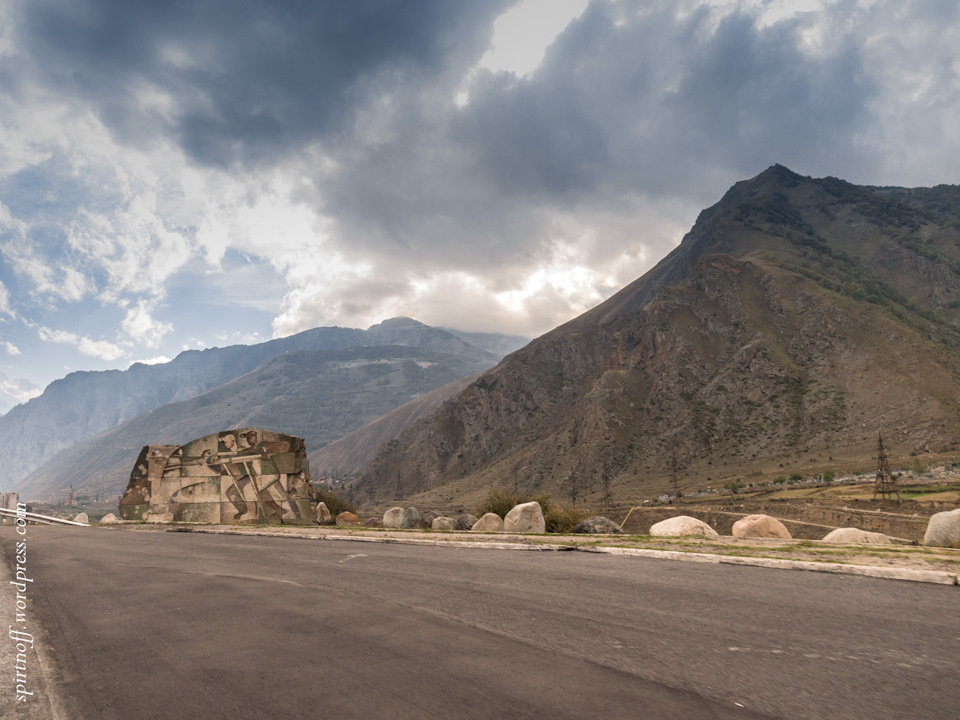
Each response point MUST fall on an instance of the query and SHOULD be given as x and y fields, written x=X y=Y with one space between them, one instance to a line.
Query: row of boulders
x=943 y=530
x=526 y=517
x=758 y=526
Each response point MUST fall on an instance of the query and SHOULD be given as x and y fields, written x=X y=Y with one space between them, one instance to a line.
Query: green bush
x=335 y=504
x=500 y=502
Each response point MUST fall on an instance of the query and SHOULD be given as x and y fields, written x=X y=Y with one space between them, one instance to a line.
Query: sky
x=181 y=174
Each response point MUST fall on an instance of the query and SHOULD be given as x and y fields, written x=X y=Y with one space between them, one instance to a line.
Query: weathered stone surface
x=373 y=523
x=241 y=476
x=81 y=517
x=490 y=522
x=346 y=519
x=426 y=520
x=943 y=530
x=683 y=525
x=393 y=517
x=465 y=521
x=322 y=515
x=443 y=523
x=598 y=526
x=412 y=519
x=110 y=519
x=856 y=535
x=760 y=526
x=525 y=517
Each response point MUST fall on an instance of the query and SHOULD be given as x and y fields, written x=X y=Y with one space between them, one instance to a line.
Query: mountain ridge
x=756 y=346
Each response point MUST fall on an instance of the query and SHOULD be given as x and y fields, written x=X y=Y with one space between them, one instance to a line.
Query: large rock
x=347 y=519
x=598 y=526
x=427 y=518
x=373 y=523
x=465 y=521
x=943 y=530
x=856 y=535
x=322 y=514
x=490 y=522
x=411 y=519
x=760 y=526
x=393 y=517
x=110 y=519
x=443 y=523
x=82 y=517
x=683 y=525
x=525 y=517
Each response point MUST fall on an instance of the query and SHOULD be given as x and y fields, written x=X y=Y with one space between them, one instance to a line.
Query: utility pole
x=886 y=484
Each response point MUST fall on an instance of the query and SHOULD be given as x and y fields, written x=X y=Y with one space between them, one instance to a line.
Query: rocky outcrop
x=760 y=526
x=443 y=523
x=411 y=520
x=465 y=521
x=347 y=519
x=943 y=530
x=598 y=526
x=490 y=522
x=683 y=525
x=393 y=517
x=525 y=517
x=322 y=515
x=856 y=536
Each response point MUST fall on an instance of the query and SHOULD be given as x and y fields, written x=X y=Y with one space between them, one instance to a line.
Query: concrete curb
x=937 y=577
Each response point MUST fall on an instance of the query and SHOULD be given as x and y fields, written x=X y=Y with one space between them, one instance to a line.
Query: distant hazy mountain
x=14 y=391
x=797 y=318
x=84 y=404
x=500 y=345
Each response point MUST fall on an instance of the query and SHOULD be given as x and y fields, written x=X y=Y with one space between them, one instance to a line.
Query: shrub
x=829 y=476
x=335 y=504
x=556 y=520
x=500 y=502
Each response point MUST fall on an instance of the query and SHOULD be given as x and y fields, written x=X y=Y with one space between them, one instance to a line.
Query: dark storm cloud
x=634 y=100
x=248 y=80
x=655 y=103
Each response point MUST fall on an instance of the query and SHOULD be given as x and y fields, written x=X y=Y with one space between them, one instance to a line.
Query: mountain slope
x=85 y=403
x=796 y=318
x=318 y=395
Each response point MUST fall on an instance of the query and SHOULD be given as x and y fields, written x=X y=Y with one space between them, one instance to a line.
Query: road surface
x=170 y=625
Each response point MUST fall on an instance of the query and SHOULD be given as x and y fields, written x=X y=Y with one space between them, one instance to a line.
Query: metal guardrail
x=38 y=518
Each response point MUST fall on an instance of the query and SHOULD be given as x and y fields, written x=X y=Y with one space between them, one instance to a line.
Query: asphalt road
x=172 y=625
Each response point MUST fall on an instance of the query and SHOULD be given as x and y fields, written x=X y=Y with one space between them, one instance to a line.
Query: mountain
x=84 y=404
x=797 y=318
x=14 y=391
x=319 y=395
x=353 y=453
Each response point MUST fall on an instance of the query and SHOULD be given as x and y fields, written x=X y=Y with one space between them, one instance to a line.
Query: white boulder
x=393 y=517
x=683 y=525
x=490 y=522
x=856 y=536
x=943 y=530
x=525 y=517
x=760 y=526
x=443 y=523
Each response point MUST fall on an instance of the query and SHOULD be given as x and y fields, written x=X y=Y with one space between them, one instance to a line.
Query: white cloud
x=522 y=34
x=142 y=327
x=158 y=360
x=11 y=348
x=101 y=349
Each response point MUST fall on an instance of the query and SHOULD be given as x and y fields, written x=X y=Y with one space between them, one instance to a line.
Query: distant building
x=9 y=501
